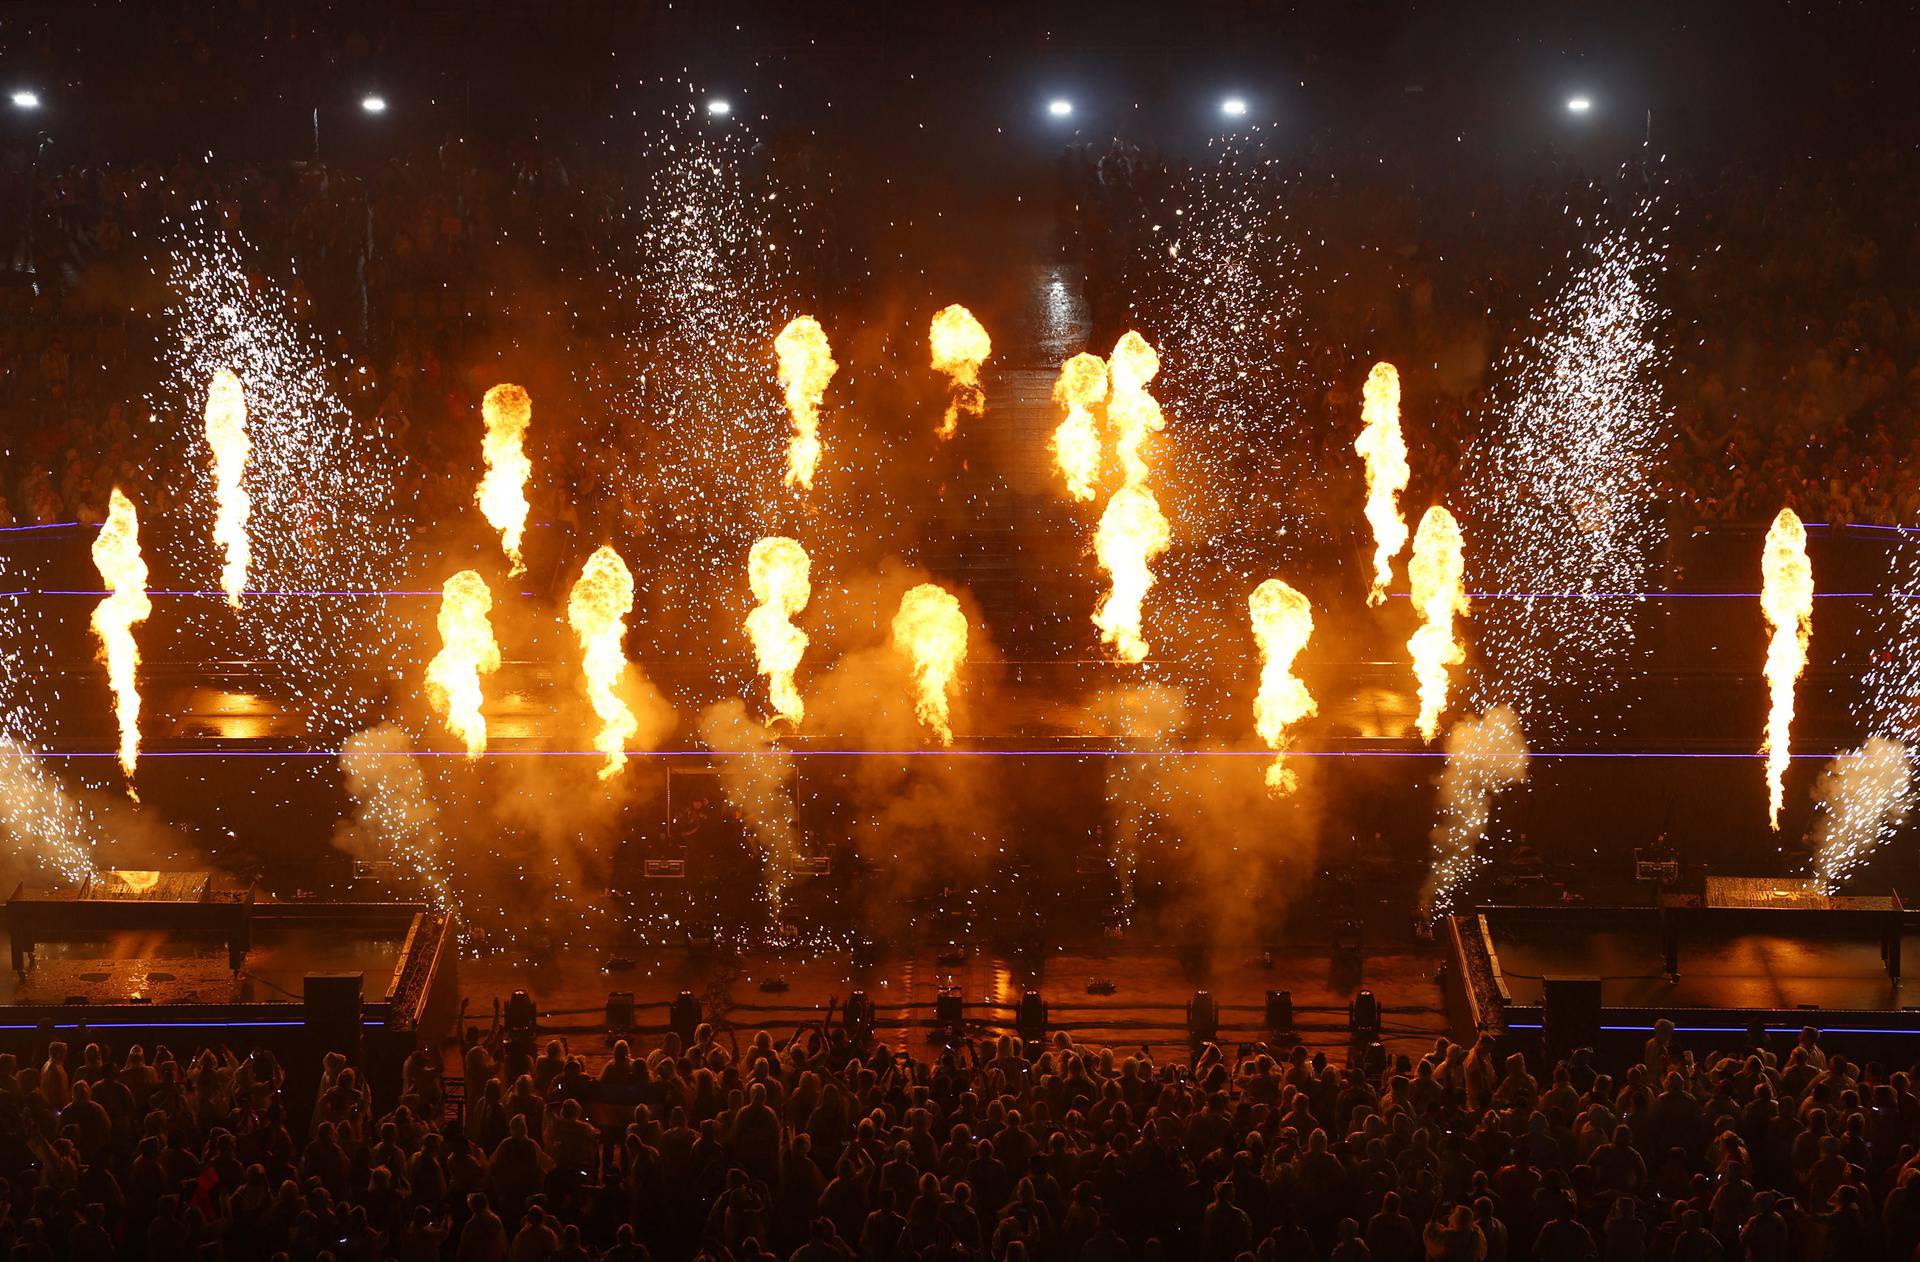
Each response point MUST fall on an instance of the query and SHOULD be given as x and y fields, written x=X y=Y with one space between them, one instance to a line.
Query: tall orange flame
x=930 y=631
x=503 y=491
x=778 y=572
x=1385 y=452
x=116 y=554
x=1282 y=625
x=1132 y=532
x=1786 y=600
x=960 y=345
x=1082 y=386
x=806 y=366
x=1133 y=413
x=1437 y=573
x=597 y=609
x=226 y=429
x=468 y=651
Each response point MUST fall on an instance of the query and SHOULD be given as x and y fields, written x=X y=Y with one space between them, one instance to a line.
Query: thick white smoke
x=757 y=777
x=1860 y=797
x=1484 y=756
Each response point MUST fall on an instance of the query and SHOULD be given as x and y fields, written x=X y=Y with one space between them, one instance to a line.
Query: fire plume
x=597 y=609
x=1132 y=532
x=1437 y=573
x=1133 y=413
x=930 y=631
x=1786 y=598
x=503 y=491
x=1385 y=452
x=960 y=346
x=226 y=429
x=1282 y=624
x=468 y=651
x=778 y=571
x=806 y=366
x=1081 y=387
x=116 y=554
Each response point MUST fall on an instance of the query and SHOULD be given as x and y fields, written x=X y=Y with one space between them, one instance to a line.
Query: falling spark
x=1786 y=599
x=1385 y=451
x=806 y=366
x=1282 y=624
x=1861 y=797
x=1484 y=756
x=1081 y=387
x=1132 y=532
x=226 y=422
x=777 y=571
x=597 y=609
x=1562 y=489
x=503 y=491
x=116 y=553
x=960 y=346
x=930 y=631
x=397 y=814
x=1437 y=574
x=468 y=651
x=1133 y=413
x=51 y=825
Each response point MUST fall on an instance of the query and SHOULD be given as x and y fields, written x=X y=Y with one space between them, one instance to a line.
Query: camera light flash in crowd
x=930 y=632
x=1437 y=573
x=719 y=107
x=1132 y=532
x=116 y=554
x=1579 y=104
x=226 y=422
x=25 y=100
x=805 y=366
x=1786 y=600
x=1234 y=107
x=778 y=571
x=960 y=345
x=1380 y=444
x=1282 y=624
x=1080 y=388
x=597 y=609
x=1060 y=107
x=502 y=495
x=467 y=651
x=373 y=104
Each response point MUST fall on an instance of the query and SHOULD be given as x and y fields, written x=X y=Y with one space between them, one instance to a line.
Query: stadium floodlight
x=374 y=104
x=25 y=100
x=1234 y=107
x=1060 y=107
x=719 y=107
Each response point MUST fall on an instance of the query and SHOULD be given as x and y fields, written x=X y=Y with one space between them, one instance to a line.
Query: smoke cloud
x=1484 y=756
x=1861 y=797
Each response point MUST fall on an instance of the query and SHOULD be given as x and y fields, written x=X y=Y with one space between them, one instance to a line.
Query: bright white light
x=26 y=100
x=1059 y=107
x=1578 y=105
x=719 y=108
x=374 y=104
x=1233 y=107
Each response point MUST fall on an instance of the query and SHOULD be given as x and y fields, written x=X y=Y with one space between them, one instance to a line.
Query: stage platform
x=1745 y=952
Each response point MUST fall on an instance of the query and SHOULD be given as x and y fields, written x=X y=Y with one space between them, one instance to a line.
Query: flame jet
x=930 y=631
x=806 y=366
x=1385 y=452
x=1081 y=387
x=503 y=491
x=226 y=429
x=960 y=345
x=1133 y=413
x=1786 y=599
x=116 y=554
x=1132 y=532
x=468 y=651
x=597 y=609
x=778 y=572
x=1282 y=624
x=1437 y=572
